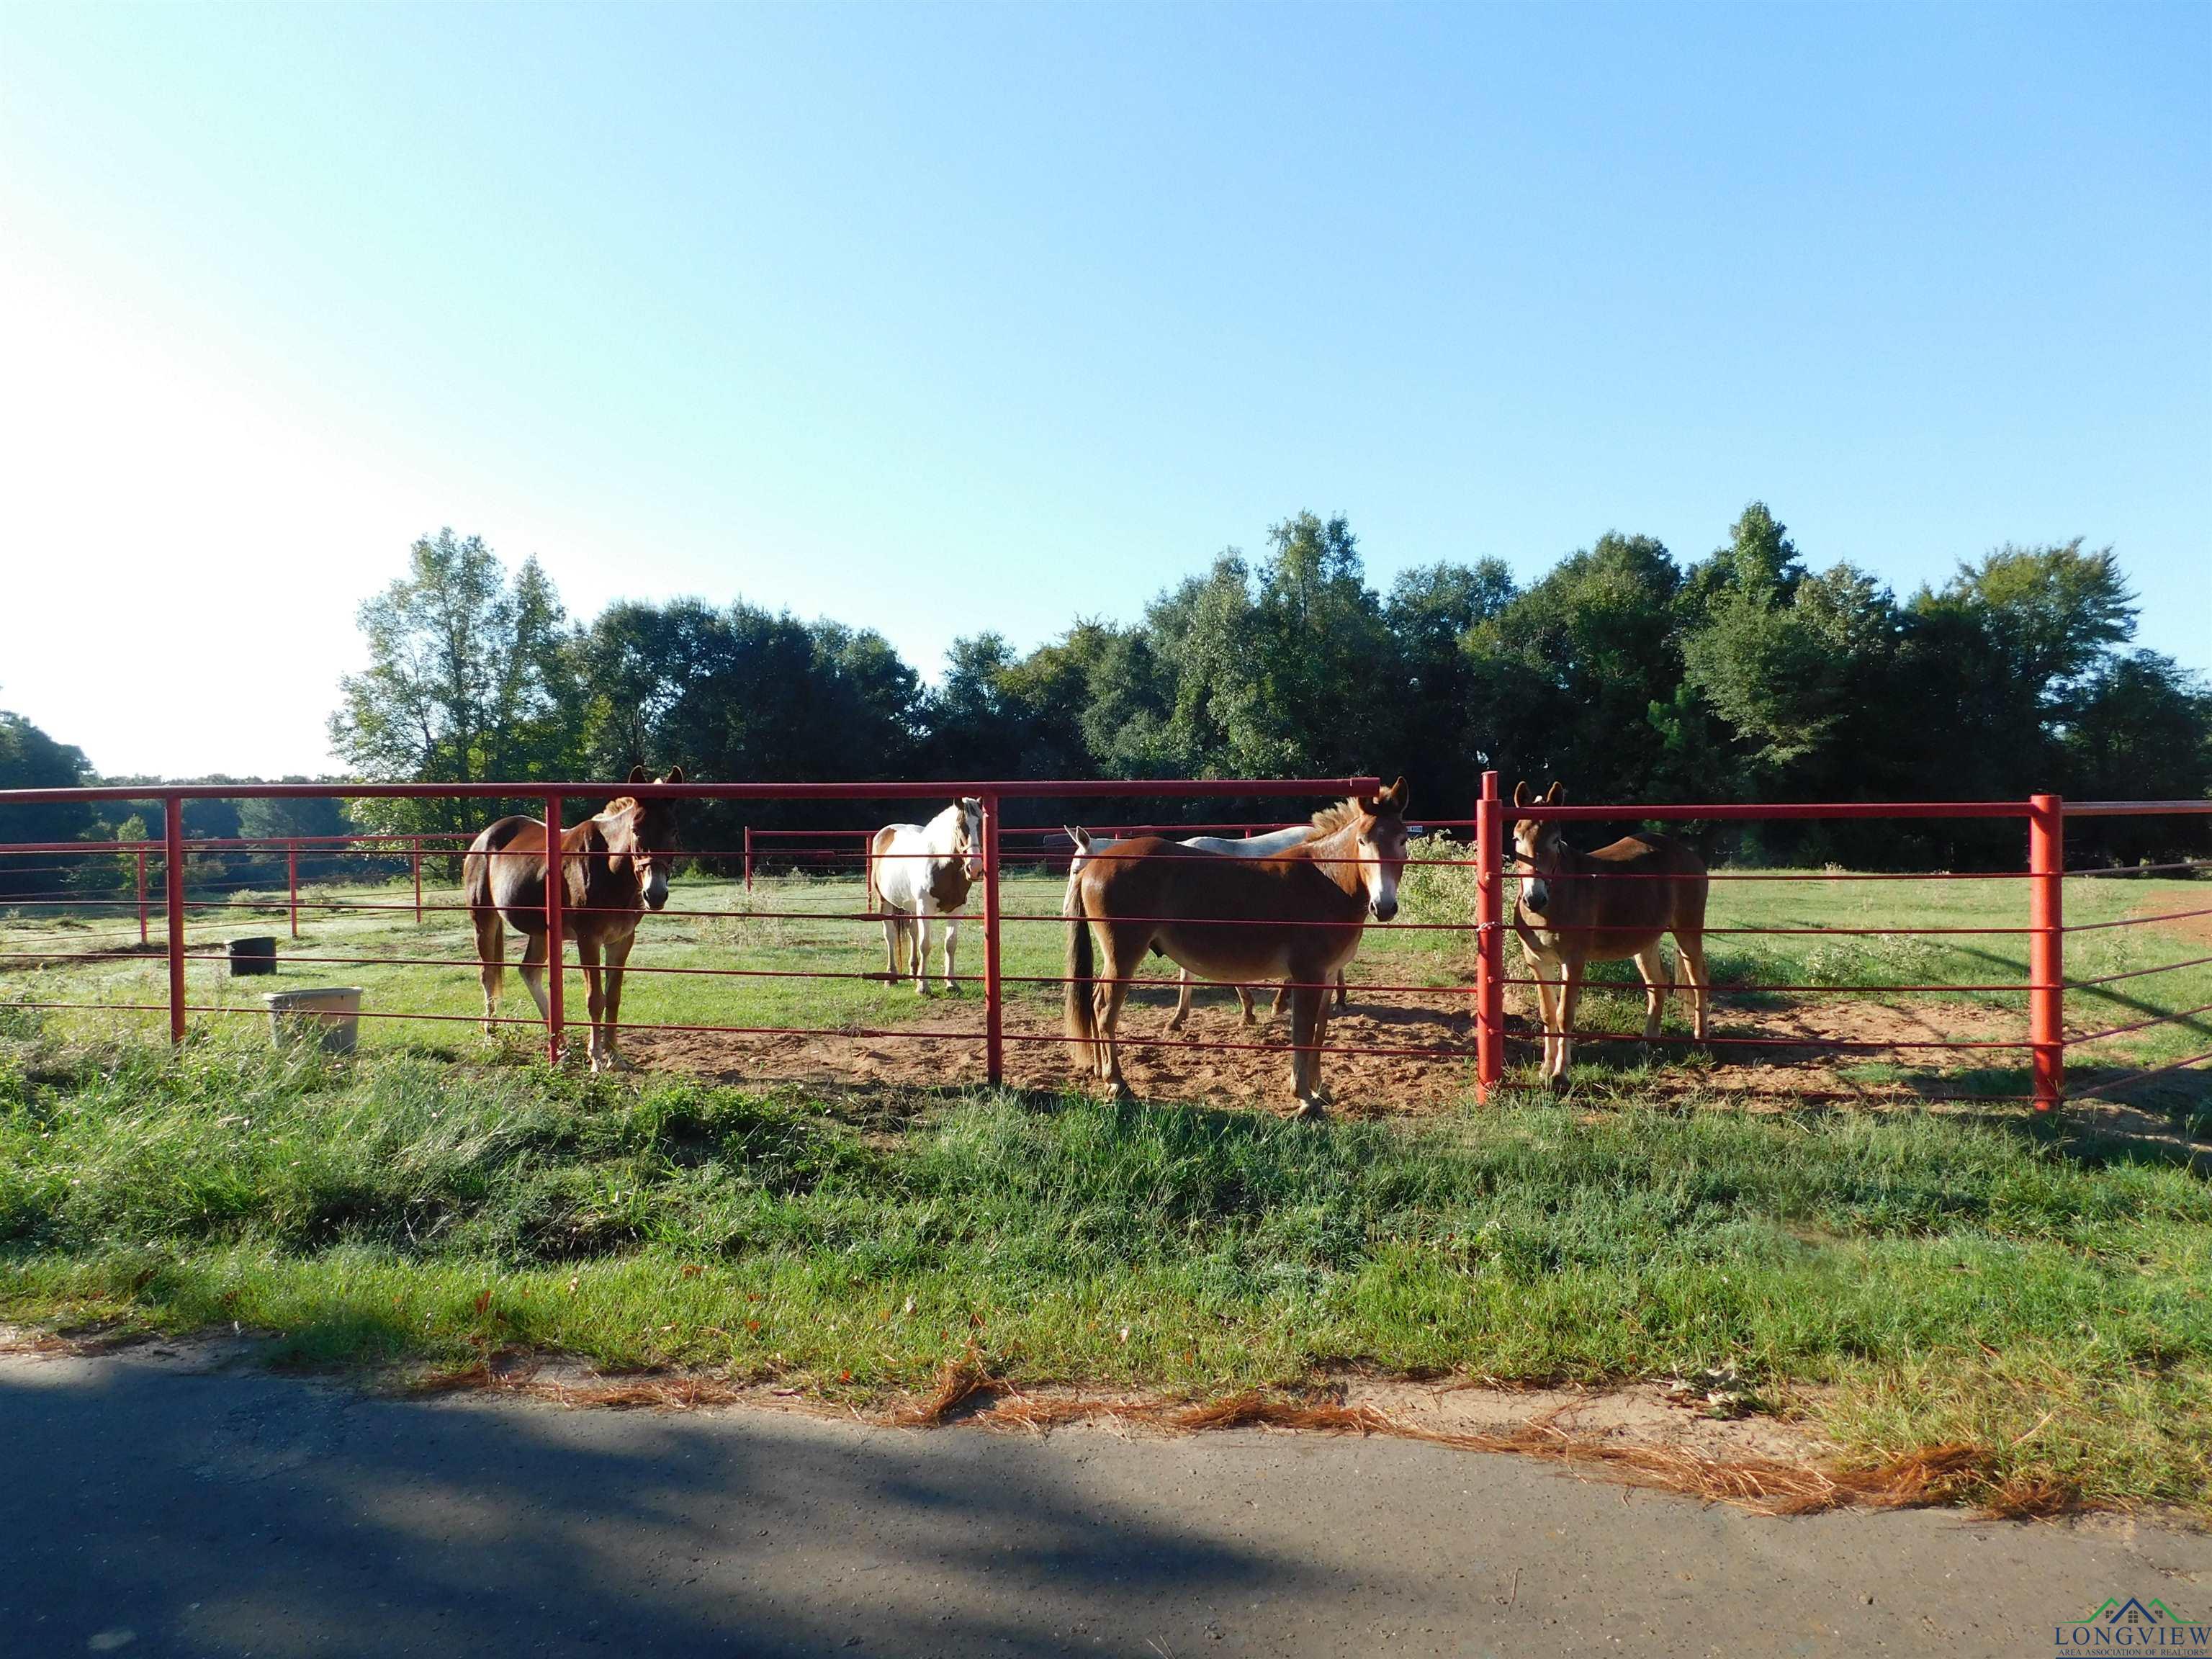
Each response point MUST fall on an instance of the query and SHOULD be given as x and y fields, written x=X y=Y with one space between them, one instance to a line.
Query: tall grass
x=1909 y=1279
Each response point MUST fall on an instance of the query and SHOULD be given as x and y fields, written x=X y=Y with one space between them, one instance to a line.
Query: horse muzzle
x=1383 y=909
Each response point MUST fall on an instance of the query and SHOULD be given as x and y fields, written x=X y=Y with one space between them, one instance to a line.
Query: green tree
x=1785 y=659
x=1431 y=613
x=470 y=679
x=29 y=759
x=1580 y=677
x=1286 y=670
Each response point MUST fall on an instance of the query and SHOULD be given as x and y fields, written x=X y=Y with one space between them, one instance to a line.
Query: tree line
x=1745 y=675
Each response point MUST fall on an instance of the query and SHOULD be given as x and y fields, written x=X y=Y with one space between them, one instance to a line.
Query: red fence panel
x=2046 y=1042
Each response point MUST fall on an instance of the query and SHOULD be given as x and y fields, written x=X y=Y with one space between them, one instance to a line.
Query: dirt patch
x=1415 y=1052
x=2196 y=928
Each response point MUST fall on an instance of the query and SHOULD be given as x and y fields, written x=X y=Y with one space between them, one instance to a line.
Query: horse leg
x=1651 y=963
x=491 y=960
x=1319 y=1094
x=1282 y=1000
x=617 y=957
x=1182 y=1003
x=1124 y=956
x=951 y=944
x=1570 y=993
x=890 y=945
x=1341 y=997
x=1690 y=968
x=1540 y=969
x=1305 y=1065
x=595 y=1001
x=532 y=969
x=920 y=939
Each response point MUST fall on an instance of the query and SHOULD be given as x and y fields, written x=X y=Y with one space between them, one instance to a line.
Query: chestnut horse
x=614 y=866
x=1297 y=914
x=1619 y=901
x=1089 y=847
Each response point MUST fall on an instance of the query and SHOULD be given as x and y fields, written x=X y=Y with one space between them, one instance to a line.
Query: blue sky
x=939 y=321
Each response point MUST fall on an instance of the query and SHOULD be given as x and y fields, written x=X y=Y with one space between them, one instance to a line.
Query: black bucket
x=249 y=957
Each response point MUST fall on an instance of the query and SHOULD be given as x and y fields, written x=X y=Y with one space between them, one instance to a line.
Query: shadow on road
x=204 y=1514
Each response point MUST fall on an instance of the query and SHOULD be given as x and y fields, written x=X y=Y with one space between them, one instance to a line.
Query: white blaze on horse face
x=656 y=887
x=971 y=821
x=1380 y=865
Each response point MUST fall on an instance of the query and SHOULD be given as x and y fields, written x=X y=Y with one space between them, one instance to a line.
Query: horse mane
x=616 y=807
x=1336 y=816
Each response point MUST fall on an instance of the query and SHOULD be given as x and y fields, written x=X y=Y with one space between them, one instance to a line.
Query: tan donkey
x=1619 y=901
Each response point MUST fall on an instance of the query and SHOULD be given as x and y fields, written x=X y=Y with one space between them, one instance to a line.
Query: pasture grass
x=1906 y=1280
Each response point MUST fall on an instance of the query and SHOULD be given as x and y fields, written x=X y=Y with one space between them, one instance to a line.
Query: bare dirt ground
x=1416 y=1052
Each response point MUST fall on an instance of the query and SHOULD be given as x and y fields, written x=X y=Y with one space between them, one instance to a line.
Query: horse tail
x=874 y=892
x=479 y=892
x=1082 y=1013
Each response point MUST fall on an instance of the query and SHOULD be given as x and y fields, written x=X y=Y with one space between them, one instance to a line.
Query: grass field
x=1904 y=1279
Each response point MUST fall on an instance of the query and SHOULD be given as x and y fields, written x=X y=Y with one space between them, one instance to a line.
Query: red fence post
x=172 y=844
x=2046 y=949
x=1489 y=939
x=749 y=858
x=416 y=858
x=556 y=895
x=142 y=896
x=994 y=1040
x=292 y=881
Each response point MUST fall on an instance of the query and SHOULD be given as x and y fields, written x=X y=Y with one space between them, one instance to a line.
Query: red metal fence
x=1485 y=849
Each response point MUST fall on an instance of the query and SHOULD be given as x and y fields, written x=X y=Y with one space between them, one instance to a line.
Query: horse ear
x=1079 y=835
x=1521 y=793
x=675 y=775
x=1396 y=796
x=638 y=774
x=1556 y=794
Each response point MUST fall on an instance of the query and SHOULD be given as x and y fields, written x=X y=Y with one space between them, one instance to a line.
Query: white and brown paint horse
x=1617 y=903
x=1297 y=916
x=1089 y=847
x=614 y=867
x=919 y=870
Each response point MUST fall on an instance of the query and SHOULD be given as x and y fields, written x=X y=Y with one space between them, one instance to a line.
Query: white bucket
x=335 y=1009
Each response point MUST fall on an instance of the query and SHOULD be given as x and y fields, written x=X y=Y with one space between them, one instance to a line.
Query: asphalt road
x=148 y=1510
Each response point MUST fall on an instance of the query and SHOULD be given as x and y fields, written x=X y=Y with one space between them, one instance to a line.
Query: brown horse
x=1296 y=915
x=1089 y=847
x=1619 y=901
x=614 y=867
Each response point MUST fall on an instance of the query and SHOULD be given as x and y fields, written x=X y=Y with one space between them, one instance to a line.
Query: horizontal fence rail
x=170 y=880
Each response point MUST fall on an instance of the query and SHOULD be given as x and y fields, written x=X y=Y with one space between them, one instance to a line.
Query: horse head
x=968 y=834
x=644 y=834
x=1536 y=846
x=1383 y=839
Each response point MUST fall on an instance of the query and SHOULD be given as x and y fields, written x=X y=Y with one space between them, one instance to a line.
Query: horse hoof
x=1557 y=1082
x=1310 y=1109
